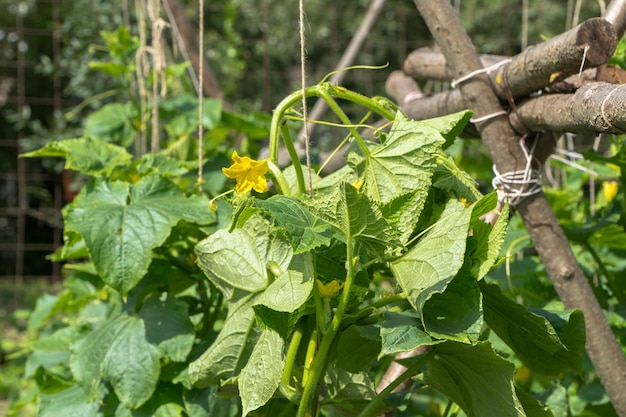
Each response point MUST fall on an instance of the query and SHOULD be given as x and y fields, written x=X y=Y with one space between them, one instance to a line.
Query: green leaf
x=168 y=326
x=402 y=332
x=118 y=352
x=304 y=230
x=86 y=155
x=451 y=125
x=348 y=393
x=239 y=260
x=456 y=313
x=131 y=364
x=72 y=402
x=546 y=342
x=357 y=217
x=121 y=225
x=435 y=260
x=450 y=178
x=404 y=162
x=161 y=164
x=288 y=292
x=112 y=123
x=532 y=407
x=221 y=360
x=476 y=378
x=357 y=347
x=237 y=263
x=402 y=213
x=208 y=403
x=488 y=240
x=261 y=376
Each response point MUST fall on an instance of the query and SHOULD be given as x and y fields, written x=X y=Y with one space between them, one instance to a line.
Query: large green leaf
x=168 y=326
x=435 y=260
x=239 y=260
x=121 y=225
x=476 y=378
x=547 y=342
x=261 y=376
x=72 y=402
x=237 y=263
x=222 y=359
x=404 y=162
x=456 y=313
x=402 y=332
x=356 y=217
x=357 y=347
x=86 y=155
x=450 y=126
x=304 y=230
x=118 y=352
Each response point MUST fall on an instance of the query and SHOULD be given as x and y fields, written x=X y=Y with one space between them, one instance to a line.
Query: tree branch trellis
x=603 y=106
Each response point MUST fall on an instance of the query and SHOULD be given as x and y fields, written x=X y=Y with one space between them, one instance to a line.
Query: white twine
x=488 y=116
x=515 y=186
x=606 y=99
x=486 y=70
x=582 y=64
x=412 y=96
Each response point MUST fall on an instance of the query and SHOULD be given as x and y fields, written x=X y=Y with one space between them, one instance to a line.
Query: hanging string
x=305 y=122
x=200 y=92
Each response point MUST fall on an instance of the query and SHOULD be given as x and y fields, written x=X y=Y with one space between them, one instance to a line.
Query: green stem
x=293 y=155
x=610 y=278
x=332 y=104
x=285 y=384
x=310 y=395
x=373 y=405
x=279 y=179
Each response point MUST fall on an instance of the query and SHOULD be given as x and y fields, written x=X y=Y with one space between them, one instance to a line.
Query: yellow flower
x=358 y=184
x=249 y=174
x=465 y=202
x=610 y=189
x=327 y=291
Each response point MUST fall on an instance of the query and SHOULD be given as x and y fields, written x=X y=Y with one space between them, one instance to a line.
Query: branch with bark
x=547 y=235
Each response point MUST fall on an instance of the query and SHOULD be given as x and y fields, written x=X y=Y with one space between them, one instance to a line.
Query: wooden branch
x=537 y=66
x=595 y=107
x=426 y=64
x=186 y=38
x=541 y=223
x=616 y=14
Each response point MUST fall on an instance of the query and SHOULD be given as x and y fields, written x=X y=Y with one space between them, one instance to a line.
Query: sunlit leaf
x=435 y=260
x=86 y=155
x=260 y=377
x=121 y=225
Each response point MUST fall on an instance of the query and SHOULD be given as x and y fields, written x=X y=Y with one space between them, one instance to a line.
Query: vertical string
x=307 y=149
x=200 y=92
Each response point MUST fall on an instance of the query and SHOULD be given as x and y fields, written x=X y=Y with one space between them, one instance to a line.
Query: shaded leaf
x=456 y=313
x=533 y=337
x=168 y=326
x=476 y=378
x=402 y=332
x=112 y=123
